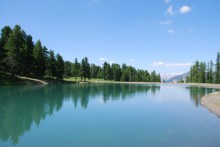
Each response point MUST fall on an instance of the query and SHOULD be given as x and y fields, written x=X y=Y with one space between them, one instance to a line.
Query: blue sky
x=162 y=35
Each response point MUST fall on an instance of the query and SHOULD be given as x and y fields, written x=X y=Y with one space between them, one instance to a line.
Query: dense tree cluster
x=123 y=73
x=202 y=72
x=19 y=55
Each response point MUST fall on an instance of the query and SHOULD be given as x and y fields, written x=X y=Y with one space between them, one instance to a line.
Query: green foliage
x=15 y=51
x=94 y=71
x=210 y=73
x=116 y=70
x=5 y=33
x=75 y=69
x=28 y=59
x=85 y=69
x=217 y=71
x=107 y=71
x=67 y=69
x=59 y=67
x=51 y=64
x=201 y=72
x=39 y=56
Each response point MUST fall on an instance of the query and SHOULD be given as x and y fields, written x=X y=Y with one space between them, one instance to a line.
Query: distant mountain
x=178 y=78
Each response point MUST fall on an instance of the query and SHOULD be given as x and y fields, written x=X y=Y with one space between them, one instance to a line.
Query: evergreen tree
x=188 y=79
x=116 y=70
x=131 y=73
x=94 y=70
x=153 y=76
x=15 y=46
x=217 y=71
x=125 y=73
x=209 y=71
x=28 y=55
x=59 y=67
x=67 y=69
x=5 y=33
x=146 y=76
x=76 y=69
x=158 y=78
x=202 y=72
x=195 y=72
x=85 y=69
x=88 y=74
x=39 y=56
x=51 y=64
x=100 y=73
x=107 y=71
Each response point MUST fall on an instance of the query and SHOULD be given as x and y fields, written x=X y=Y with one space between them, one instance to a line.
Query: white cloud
x=156 y=64
x=171 y=31
x=102 y=59
x=170 y=10
x=185 y=9
x=132 y=59
x=167 y=1
x=167 y=22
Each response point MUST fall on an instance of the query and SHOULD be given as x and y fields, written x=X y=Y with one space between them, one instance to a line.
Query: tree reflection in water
x=21 y=106
x=196 y=93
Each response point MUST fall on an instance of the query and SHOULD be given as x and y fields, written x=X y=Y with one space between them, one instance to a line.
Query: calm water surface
x=106 y=115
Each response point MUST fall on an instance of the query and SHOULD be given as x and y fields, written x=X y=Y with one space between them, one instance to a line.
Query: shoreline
x=212 y=100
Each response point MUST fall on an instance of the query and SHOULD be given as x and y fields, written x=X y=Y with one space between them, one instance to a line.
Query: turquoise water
x=106 y=115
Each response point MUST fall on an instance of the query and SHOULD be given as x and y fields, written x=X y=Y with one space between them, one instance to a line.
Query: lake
x=106 y=115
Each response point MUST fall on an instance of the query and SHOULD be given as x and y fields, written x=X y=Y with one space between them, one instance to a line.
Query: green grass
x=72 y=79
x=78 y=79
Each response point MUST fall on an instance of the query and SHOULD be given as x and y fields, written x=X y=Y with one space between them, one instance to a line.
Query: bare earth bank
x=211 y=101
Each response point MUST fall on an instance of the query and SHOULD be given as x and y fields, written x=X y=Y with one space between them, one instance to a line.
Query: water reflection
x=196 y=93
x=20 y=106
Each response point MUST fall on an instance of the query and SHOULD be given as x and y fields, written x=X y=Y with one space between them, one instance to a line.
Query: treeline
x=111 y=72
x=19 y=55
x=202 y=72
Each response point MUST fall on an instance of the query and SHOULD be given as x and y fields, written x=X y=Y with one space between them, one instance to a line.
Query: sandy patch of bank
x=212 y=102
x=32 y=79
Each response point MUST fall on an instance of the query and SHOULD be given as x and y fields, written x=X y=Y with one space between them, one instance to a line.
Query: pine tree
x=85 y=69
x=116 y=70
x=67 y=68
x=107 y=71
x=5 y=33
x=51 y=64
x=26 y=54
x=209 y=71
x=217 y=71
x=88 y=74
x=202 y=72
x=40 y=57
x=195 y=72
x=153 y=76
x=59 y=67
x=94 y=70
x=15 y=47
x=76 y=69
